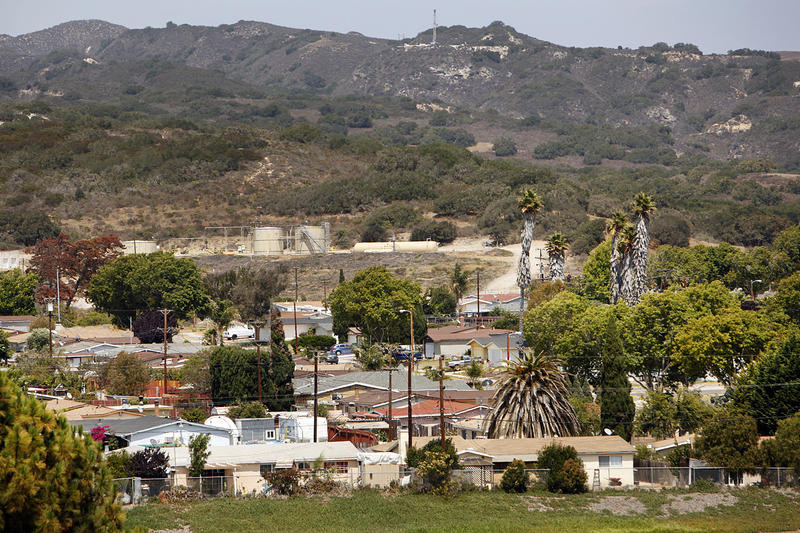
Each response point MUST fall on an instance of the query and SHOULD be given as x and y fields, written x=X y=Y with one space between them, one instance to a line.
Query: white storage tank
x=312 y=239
x=139 y=247
x=267 y=240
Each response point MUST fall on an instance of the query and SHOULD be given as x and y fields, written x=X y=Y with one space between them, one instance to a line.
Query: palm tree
x=643 y=207
x=627 y=275
x=458 y=281
x=530 y=204
x=531 y=400
x=614 y=228
x=556 y=249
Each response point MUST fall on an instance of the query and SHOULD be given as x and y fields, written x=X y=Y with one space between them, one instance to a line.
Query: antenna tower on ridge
x=434 y=27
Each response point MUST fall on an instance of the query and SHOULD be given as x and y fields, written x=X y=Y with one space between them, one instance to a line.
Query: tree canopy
x=372 y=301
x=133 y=284
x=51 y=478
x=17 y=292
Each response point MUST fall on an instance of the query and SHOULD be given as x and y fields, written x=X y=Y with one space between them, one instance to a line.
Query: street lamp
x=753 y=294
x=410 y=363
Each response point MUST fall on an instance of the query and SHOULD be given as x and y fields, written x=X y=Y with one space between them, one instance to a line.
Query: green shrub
x=442 y=232
x=515 y=479
x=570 y=480
x=566 y=473
x=504 y=146
x=285 y=481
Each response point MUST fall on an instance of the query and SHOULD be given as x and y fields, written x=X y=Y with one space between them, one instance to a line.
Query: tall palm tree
x=643 y=207
x=614 y=228
x=529 y=203
x=532 y=400
x=627 y=274
x=556 y=246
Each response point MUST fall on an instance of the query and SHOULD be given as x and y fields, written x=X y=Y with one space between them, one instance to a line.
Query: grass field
x=736 y=510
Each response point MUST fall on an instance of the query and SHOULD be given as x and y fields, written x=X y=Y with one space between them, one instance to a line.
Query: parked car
x=405 y=355
x=464 y=360
x=339 y=349
x=238 y=332
x=332 y=359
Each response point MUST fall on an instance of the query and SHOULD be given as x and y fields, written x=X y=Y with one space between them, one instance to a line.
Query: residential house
x=12 y=259
x=242 y=469
x=426 y=414
x=313 y=322
x=334 y=387
x=453 y=341
x=156 y=431
x=489 y=304
x=609 y=458
x=17 y=324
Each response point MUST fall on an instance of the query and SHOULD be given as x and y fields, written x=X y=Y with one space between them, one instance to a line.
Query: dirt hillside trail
x=507 y=282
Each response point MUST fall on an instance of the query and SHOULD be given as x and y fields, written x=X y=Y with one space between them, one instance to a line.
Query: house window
x=266 y=469
x=337 y=466
x=610 y=461
x=270 y=434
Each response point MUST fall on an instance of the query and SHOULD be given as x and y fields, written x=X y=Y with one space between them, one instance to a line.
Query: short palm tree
x=529 y=203
x=458 y=282
x=614 y=228
x=643 y=207
x=531 y=400
x=556 y=246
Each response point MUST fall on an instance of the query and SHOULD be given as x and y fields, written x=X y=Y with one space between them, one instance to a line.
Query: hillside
x=161 y=132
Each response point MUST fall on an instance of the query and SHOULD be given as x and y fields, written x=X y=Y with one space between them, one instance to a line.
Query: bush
x=195 y=414
x=504 y=146
x=434 y=469
x=247 y=410
x=314 y=342
x=515 y=479
x=285 y=481
x=442 y=232
x=566 y=473
x=149 y=463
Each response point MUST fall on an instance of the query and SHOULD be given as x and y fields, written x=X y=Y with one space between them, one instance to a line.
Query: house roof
x=431 y=408
x=131 y=426
x=490 y=298
x=464 y=333
x=61 y=404
x=378 y=379
x=280 y=454
x=506 y=450
x=479 y=397
x=674 y=442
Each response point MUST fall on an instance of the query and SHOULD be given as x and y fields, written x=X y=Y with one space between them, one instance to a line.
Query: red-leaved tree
x=73 y=263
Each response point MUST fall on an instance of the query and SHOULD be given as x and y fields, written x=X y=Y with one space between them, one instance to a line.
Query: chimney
x=156 y=407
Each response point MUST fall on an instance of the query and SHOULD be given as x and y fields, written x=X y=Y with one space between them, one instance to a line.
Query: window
x=270 y=434
x=610 y=461
x=337 y=466
x=266 y=469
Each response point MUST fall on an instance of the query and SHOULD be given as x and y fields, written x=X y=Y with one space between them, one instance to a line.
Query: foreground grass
x=366 y=511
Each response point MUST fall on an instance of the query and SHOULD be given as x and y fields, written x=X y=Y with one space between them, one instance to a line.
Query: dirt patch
x=184 y=529
x=699 y=502
x=539 y=505
x=618 y=506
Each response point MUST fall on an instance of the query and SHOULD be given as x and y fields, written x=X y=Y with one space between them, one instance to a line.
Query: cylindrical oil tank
x=267 y=240
x=139 y=247
x=311 y=239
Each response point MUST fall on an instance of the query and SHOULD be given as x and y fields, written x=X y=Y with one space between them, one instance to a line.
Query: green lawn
x=364 y=511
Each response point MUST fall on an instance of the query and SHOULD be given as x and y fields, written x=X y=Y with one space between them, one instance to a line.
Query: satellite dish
x=69 y=396
x=607 y=431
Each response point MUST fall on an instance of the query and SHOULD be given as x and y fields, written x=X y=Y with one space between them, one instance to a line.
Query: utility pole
x=294 y=306
x=325 y=293
x=441 y=404
x=410 y=311
x=478 y=316
x=58 y=291
x=258 y=324
x=50 y=325
x=508 y=346
x=316 y=368
x=164 y=312
x=391 y=369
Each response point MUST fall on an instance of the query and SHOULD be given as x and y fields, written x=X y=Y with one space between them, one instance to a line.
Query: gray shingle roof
x=378 y=379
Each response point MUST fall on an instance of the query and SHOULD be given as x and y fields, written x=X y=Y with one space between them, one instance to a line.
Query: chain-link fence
x=656 y=476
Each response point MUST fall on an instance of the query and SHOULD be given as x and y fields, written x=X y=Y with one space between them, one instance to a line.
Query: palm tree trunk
x=615 y=279
x=524 y=269
x=556 y=268
x=641 y=246
x=628 y=278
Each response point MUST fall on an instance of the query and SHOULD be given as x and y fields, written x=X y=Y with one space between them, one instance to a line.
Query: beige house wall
x=380 y=476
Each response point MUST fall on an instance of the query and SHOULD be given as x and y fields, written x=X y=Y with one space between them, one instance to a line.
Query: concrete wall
x=399 y=246
x=380 y=476
x=625 y=472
